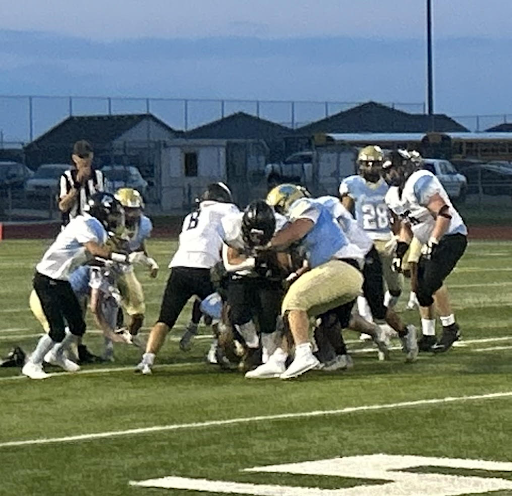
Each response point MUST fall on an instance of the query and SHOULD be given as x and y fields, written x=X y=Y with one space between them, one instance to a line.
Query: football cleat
x=303 y=362
x=425 y=343
x=144 y=368
x=59 y=360
x=34 y=371
x=341 y=362
x=85 y=356
x=187 y=339
x=15 y=358
x=211 y=356
x=273 y=368
x=449 y=336
x=381 y=340
x=410 y=344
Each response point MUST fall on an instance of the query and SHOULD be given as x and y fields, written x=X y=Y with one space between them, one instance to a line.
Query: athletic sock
x=148 y=359
x=390 y=301
x=249 y=333
x=44 y=345
x=448 y=321
x=428 y=327
x=364 y=309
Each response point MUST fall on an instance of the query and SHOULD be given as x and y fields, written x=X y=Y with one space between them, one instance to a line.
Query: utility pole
x=430 y=77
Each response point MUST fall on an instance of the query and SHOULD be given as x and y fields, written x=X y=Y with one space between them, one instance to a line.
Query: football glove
x=401 y=250
x=429 y=248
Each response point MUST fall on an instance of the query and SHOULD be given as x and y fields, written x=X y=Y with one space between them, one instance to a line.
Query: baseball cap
x=82 y=148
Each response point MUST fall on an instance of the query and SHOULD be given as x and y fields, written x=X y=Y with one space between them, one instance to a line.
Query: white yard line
x=261 y=418
x=102 y=371
x=494 y=348
x=481 y=269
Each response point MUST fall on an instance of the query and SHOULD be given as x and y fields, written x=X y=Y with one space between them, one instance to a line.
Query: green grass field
x=101 y=430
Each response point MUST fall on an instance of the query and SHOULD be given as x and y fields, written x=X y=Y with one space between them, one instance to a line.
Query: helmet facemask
x=369 y=161
x=398 y=167
x=258 y=224
x=132 y=217
x=370 y=171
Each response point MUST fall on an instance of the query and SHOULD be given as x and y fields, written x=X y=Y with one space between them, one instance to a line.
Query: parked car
x=495 y=179
x=14 y=175
x=455 y=184
x=45 y=181
x=123 y=176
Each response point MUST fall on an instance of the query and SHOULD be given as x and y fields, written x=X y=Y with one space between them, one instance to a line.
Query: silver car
x=45 y=181
x=123 y=176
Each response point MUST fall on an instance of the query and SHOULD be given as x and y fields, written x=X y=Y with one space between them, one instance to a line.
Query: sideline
x=261 y=418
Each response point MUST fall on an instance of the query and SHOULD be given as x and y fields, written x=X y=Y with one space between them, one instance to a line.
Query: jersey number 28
x=375 y=216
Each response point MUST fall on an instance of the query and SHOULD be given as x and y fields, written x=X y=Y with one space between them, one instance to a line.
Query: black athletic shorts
x=183 y=283
x=373 y=284
x=432 y=272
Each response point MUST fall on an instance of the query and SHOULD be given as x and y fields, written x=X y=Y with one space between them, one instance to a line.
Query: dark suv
x=13 y=175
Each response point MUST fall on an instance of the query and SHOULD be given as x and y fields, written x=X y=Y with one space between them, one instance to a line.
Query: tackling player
x=199 y=249
x=420 y=201
x=84 y=237
x=328 y=284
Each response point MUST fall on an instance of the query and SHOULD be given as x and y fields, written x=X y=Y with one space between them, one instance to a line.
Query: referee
x=79 y=183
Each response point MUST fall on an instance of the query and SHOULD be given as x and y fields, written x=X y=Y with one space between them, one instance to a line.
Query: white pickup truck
x=455 y=184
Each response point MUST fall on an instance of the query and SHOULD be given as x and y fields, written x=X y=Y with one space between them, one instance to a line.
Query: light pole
x=430 y=77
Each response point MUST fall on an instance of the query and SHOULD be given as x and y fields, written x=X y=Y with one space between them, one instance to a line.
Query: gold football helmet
x=129 y=198
x=369 y=162
x=282 y=196
x=133 y=204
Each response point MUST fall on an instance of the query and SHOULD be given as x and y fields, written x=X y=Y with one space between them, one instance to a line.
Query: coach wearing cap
x=79 y=182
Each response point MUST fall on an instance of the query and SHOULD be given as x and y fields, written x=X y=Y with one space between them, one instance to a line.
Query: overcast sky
x=322 y=50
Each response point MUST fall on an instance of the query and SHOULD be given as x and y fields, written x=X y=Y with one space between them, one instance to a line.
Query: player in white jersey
x=138 y=229
x=364 y=194
x=199 y=249
x=417 y=197
x=83 y=238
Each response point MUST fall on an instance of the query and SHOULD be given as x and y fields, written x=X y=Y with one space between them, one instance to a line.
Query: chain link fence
x=24 y=118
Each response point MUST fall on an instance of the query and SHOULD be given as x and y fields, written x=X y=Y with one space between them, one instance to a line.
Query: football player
x=417 y=197
x=138 y=229
x=327 y=283
x=199 y=249
x=84 y=237
x=362 y=248
x=363 y=194
x=254 y=290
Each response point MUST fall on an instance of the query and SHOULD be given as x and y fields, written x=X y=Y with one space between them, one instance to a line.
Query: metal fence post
x=31 y=118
